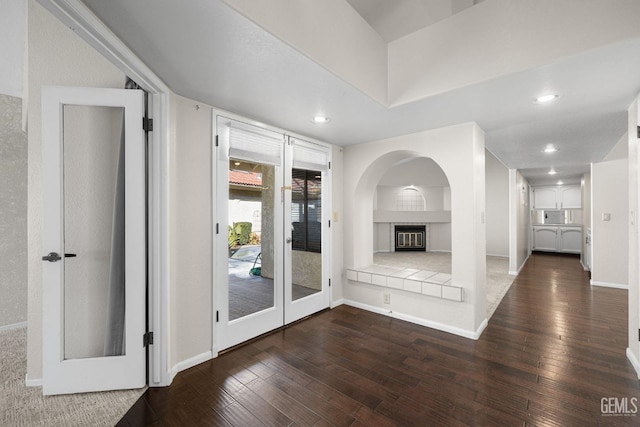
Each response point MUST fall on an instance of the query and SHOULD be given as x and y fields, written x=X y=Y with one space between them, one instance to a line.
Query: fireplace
x=410 y=238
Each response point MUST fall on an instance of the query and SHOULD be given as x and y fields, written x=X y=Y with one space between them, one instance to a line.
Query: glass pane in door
x=93 y=168
x=251 y=232
x=306 y=233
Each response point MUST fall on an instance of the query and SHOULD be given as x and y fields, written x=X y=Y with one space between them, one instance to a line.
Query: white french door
x=307 y=220
x=93 y=240
x=272 y=230
x=249 y=278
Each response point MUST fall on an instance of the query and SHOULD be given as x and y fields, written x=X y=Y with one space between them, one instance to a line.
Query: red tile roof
x=249 y=179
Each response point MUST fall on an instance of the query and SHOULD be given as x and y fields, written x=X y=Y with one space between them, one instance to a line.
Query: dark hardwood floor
x=553 y=349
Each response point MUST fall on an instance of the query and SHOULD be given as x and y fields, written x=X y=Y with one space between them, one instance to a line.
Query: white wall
x=13 y=166
x=337 y=225
x=440 y=237
x=610 y=182
x=459 y=151
x=13 y=21
x=633 y=351
x=419 y=172
x=585 y=185
x=497 y=189
x=387 y=197
x=13 y=214
x=620 y=150
x=56 y=57
x=523 y=35
x=519 y=221
x=331 y=33
x=190 y=294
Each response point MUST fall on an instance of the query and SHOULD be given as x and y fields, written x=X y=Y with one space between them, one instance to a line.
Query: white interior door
x=93 y=239
x=307 y=224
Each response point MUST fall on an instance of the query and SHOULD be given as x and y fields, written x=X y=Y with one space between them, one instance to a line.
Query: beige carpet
x=26 y=406
x=498 y=278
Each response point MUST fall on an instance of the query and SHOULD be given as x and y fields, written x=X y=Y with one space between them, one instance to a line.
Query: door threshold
x=281 y=328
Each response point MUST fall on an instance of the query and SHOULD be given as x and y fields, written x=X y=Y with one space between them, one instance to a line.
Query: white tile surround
x=423 y=282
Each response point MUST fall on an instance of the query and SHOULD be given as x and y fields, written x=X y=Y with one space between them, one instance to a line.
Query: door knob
x=289 y=240
x=52 y=257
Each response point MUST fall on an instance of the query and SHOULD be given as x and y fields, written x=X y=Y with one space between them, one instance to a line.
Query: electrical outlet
x=386 y=298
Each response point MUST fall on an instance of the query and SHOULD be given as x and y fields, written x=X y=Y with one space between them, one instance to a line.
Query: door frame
x=76 y=15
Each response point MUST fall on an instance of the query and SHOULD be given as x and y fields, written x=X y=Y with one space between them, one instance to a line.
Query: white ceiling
x=208 y=52
x=397 y=18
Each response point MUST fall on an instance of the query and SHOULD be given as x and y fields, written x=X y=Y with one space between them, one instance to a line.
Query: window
x=410 y=199
x=306 y=210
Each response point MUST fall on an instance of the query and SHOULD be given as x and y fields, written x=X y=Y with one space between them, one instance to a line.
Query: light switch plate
x=606 y=217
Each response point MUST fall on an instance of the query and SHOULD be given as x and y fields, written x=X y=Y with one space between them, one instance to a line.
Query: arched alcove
x=413 y=194
x=459 y=153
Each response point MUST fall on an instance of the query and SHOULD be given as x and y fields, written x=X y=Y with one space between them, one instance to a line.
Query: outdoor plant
x=233 y=238
x=243 y=231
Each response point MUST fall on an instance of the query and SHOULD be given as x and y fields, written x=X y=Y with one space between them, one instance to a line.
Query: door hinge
x=329 y=282
x=638 y=131
x=147 y=339
x=217 y=228
x=638 y=334
x=147 y=124
x=217 y=140
x=329 y=165
x=329 y=223
x=217 y=316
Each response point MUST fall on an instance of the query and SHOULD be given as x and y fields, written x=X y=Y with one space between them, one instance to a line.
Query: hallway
x=554 y=348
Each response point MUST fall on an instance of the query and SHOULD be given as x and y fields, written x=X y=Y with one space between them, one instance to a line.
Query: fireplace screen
x=410 y=238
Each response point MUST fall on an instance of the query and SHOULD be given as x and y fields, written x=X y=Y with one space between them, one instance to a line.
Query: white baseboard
x=608 y=285
x=189 y=363
x=634 y=361
x=515 y=273
x=337 y=303
x=37 y=382
x=474 y=335
x=584 y=267
x=13 y=326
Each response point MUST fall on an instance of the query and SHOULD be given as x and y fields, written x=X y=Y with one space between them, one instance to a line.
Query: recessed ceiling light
x=552 y=172
x=545 y=99
x=236 y=163
x=550 y=149
x=320 y=119
x=560 y=182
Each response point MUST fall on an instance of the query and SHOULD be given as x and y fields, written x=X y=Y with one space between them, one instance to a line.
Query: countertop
x=557 y=225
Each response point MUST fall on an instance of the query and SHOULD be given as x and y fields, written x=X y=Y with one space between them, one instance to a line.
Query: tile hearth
x=498 y=278
x=424 y=282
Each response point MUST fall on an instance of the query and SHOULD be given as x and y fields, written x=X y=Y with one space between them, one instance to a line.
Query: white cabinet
x=570 y=239
x=545 y=238
x=557 y=239
x=567 y=197
x=570 y=197
x=545 y=198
